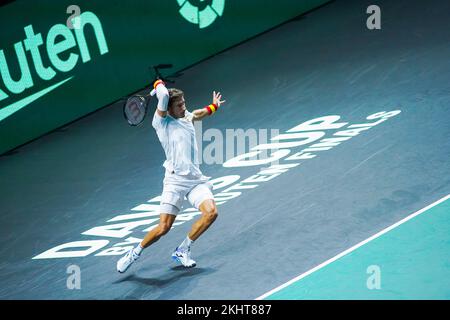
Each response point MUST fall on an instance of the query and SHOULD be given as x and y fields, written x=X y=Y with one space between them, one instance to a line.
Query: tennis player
x=183 y=178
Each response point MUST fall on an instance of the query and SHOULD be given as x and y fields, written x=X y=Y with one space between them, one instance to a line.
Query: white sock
x=138 y=249
x=186 y=244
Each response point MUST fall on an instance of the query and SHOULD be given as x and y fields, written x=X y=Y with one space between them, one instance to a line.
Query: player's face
x=179 y=108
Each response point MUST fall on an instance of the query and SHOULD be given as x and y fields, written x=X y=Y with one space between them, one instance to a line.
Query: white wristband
x=163 y=97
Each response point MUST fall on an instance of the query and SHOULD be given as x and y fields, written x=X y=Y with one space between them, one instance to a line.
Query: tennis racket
x=135 y=107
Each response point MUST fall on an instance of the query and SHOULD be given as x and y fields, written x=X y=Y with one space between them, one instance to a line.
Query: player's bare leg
x=209 y=214
x=165 y=223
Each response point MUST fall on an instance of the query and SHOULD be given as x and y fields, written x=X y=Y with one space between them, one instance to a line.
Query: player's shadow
x=178 y=273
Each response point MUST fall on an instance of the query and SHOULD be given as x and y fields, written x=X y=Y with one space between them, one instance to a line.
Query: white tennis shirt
x=177 y=137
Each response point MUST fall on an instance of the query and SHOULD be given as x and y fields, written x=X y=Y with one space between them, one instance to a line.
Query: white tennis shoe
x=184 y=257
x=125 y=262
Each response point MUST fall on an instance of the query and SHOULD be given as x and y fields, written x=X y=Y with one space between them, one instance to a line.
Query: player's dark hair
x=174 y=94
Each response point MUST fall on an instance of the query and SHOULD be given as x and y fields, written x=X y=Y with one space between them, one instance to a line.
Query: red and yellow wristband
x=158 y=82
x=212 y=108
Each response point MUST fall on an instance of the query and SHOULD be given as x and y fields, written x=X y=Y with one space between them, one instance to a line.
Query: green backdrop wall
x=52 y=74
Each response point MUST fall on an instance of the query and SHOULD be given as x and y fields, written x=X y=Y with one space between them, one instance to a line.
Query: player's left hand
x=217 y=99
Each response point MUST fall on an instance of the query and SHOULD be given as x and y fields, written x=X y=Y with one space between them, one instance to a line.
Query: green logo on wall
x=53 y=48
x=201 y=12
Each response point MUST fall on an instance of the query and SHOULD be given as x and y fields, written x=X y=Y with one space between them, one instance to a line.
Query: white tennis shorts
x=176 y=188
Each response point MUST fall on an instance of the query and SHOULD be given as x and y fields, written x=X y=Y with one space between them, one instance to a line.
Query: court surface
x=92 y=180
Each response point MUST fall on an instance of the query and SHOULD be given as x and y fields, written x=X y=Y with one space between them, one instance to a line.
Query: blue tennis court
x=353 y=204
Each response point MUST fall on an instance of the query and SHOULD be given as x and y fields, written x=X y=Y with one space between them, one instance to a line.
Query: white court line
x=340 y=255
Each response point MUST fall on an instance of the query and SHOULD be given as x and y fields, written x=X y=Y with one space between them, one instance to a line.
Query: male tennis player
x=183 y=178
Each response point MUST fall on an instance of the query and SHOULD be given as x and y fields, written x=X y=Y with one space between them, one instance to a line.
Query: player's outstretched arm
x=199 y=114
x=163 y=97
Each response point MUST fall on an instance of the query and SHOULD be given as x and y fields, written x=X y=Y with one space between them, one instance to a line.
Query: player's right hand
x=158 y=82
x=160 y=89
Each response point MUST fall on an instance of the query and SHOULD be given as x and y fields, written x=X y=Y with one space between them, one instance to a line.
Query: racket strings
x=135 y=110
